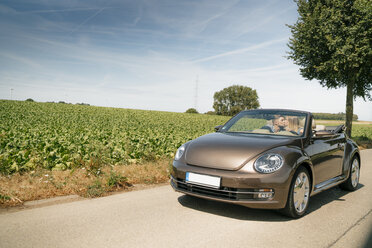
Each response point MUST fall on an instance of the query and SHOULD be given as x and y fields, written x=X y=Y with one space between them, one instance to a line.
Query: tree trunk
x=349 y=107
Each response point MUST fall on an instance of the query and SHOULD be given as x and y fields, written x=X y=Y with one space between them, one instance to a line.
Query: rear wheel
x=299 y=194
x=352 y=182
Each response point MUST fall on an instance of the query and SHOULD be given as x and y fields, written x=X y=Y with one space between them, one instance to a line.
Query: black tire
x=290 y=209
x=350 y=184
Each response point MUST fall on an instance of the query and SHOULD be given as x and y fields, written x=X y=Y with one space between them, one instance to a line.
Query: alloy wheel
x=301 y=192
x=355 y=173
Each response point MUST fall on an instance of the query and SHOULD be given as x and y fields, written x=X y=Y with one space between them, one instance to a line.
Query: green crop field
x=65 y=136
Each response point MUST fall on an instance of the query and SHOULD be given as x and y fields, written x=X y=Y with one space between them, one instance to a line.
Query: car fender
x=295 y=157
x=351 y=149
x=303 y=159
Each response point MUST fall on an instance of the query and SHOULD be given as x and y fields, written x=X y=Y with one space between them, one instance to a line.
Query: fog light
x=265 y=193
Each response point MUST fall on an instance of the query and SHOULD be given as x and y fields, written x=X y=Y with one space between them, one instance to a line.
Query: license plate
x=205 y=180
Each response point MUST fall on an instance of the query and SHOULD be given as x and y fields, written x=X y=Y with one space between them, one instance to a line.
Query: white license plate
x=205 y=180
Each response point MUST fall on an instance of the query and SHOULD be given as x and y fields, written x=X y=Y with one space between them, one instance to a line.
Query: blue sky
x=150 y=54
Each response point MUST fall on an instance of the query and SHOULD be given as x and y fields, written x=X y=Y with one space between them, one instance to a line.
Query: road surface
x=160 y=217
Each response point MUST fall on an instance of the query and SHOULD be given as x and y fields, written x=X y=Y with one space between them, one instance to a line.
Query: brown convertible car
x=267 y=158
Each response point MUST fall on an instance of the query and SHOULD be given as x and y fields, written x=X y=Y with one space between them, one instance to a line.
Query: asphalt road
x=159 y=217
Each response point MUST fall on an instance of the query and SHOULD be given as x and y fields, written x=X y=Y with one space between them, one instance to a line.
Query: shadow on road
x=229 y=210
x=244 y=213
x=325 y=197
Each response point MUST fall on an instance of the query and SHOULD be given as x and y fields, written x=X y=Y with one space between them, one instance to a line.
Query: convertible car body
x=267 y=158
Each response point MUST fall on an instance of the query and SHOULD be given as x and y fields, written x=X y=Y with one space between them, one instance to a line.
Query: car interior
x=322 y=130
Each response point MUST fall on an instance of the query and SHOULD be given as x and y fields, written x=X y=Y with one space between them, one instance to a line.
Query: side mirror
x=217 y=128
x=313 y=124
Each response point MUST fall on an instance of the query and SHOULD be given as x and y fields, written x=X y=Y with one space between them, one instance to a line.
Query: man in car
x=278 y=124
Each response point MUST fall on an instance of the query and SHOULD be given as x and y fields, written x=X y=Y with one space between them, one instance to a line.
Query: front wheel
x=352 y=182
x=299 y=194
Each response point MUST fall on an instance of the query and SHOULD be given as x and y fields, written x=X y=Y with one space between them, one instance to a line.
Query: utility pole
x=11 y=93
x=196 y=92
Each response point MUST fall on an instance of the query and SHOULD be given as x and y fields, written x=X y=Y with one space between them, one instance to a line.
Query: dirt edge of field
x=18 y=188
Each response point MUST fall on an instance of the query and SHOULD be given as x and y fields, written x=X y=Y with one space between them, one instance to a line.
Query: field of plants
x=65 y=136
x=59 y=136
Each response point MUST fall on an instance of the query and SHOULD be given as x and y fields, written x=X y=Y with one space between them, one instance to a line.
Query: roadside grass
x=41 y=184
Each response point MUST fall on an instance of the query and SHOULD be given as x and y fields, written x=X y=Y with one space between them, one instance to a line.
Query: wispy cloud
x=58 y=10
x=21 y=59
x=203 y=24
x=87 y=20
x=240 y=51
x=139 y=16
x=263 y=21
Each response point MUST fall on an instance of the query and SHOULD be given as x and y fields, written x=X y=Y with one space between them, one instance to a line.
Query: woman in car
x=294 y=125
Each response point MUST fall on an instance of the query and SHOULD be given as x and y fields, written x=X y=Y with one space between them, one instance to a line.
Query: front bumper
x=237 y=187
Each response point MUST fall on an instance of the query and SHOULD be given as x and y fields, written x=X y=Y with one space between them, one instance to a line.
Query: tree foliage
x=331 y=42
x=210 y=113
x=233 y=99
x=192 y=111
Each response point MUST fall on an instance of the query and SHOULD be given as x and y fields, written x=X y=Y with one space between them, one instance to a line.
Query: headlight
x=268 y=163
x=179 y=152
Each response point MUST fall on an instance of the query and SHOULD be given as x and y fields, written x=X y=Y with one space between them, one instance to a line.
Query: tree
x=233 y=99
x=192 y=111
x=29 y=100
x=210 y=113
x=331 y=42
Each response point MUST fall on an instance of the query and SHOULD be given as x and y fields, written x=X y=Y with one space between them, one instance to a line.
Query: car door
x=326 y=152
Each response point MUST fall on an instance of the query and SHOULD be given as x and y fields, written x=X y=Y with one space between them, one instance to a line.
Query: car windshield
x=269 y=122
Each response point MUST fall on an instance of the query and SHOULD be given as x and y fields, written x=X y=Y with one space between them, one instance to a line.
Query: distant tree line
x=62 y=102
x=328 y=116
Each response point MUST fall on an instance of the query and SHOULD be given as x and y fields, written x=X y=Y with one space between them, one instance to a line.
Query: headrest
x=313 y=125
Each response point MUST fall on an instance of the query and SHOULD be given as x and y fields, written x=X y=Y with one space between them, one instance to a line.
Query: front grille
x=226 y=193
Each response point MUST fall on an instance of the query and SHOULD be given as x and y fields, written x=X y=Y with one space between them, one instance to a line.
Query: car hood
x=230 y=151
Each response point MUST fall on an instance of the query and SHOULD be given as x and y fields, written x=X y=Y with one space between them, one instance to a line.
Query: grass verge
x=41 y=184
